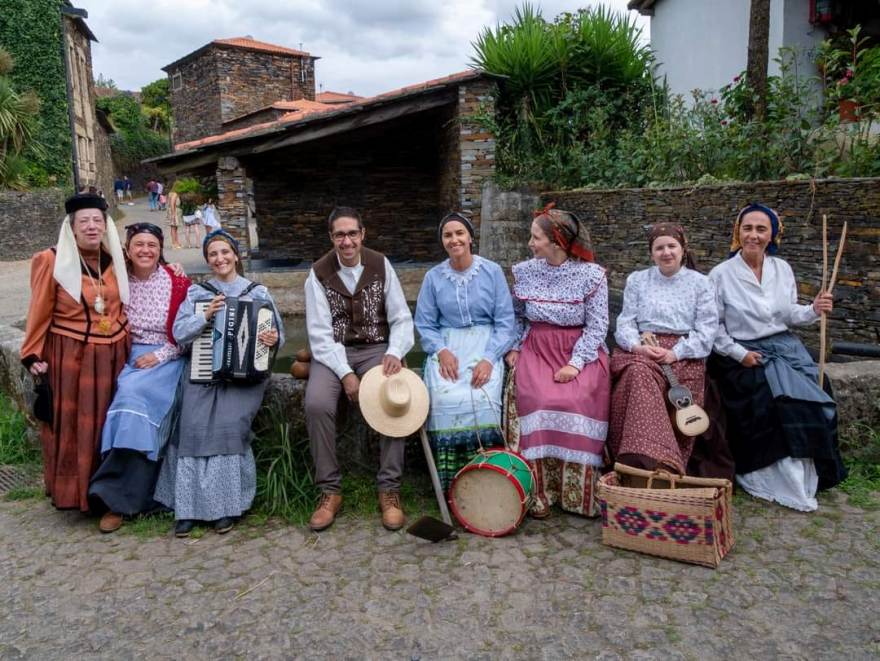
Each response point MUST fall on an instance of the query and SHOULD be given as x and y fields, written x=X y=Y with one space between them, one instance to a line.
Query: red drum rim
x=522 y=497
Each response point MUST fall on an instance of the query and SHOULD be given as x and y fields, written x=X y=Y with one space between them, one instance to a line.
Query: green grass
x=860 y=446
x=16 y=448
x=24 y=493
x=148 y=525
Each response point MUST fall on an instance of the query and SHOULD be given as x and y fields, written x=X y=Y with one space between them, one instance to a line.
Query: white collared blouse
x=750 y=310
x=681 y=304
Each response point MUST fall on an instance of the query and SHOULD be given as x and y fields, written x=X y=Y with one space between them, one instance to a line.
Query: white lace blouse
x=682 y=304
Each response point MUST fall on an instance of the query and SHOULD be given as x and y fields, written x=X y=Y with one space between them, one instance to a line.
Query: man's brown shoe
x=326 y=512
x=392 y=512
x=110 y=522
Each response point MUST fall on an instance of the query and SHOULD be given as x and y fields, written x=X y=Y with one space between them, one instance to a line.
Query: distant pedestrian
x=174 y=216
x=153 y=195
x=160 y=195
x=210 y=217
x=119 y=189
x=127 y=182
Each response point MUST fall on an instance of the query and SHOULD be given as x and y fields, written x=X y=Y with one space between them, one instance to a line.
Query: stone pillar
x=232 y=200
x=476 y=145
x=506 y=220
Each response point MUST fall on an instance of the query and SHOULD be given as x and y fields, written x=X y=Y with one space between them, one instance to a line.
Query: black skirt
x=762 y=429
x=124 y=483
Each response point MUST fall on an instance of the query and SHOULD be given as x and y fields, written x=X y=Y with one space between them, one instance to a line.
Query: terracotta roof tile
x=336 y=97
x=253 y=44
x=345 y=108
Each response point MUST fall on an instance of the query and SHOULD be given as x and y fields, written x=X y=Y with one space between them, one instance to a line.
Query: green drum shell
x=518 y=474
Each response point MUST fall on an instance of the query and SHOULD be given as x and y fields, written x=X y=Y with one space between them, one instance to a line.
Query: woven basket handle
x=666 y=475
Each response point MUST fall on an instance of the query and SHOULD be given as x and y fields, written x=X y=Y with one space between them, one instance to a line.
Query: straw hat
x=394 y=405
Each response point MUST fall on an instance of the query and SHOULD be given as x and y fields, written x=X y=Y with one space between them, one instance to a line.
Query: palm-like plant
x=552 y=75
x=18 y=124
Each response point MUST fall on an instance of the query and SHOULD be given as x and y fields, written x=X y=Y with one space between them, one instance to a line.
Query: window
x=176 y=82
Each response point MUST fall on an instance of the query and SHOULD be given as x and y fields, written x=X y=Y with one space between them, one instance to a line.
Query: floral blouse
x=574 y=293
x=147 y=310
x=682 y=304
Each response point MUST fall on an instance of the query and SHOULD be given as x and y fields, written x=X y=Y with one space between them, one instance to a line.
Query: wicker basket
x=672 y=516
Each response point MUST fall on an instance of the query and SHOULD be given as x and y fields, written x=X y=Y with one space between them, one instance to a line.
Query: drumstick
x=831 y=284
x=823 y=321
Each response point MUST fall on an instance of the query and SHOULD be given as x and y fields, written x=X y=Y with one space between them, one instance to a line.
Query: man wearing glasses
x=356 y=318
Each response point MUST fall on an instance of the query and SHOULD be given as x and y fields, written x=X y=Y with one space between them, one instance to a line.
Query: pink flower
x=723 y=122
x=736 y=79
x=842 y=82
x=714 y=102
x=849 y=73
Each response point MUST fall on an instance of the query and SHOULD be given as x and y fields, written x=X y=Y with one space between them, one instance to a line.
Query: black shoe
x=224 y=525
x=184 y=527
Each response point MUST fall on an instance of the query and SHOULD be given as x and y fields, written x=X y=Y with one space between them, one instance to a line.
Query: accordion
x=229 y=349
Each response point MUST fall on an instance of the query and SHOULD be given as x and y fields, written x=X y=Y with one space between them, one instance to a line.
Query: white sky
x=366 y=47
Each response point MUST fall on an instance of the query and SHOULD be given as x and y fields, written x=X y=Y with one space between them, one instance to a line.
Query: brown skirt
x=83 y=380
x=641 y=432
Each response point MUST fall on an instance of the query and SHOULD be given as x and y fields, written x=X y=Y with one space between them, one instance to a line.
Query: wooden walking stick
x=823 y=321
x=831 y=284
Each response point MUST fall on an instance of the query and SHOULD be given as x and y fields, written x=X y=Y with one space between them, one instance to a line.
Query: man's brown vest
x=358 y=318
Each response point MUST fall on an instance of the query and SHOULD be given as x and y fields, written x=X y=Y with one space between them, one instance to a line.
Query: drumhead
x=486 y=501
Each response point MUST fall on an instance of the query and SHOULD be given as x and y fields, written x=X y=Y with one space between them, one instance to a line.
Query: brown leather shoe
x=392 y=512
x=326 y=511
x=110 y=522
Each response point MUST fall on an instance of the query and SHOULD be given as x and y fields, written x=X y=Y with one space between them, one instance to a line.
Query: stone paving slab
x=795 y=586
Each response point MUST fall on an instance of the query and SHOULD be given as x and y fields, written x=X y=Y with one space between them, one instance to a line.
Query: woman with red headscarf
x=562 y=385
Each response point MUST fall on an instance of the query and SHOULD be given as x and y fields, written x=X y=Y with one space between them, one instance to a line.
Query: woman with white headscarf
x=77 y=342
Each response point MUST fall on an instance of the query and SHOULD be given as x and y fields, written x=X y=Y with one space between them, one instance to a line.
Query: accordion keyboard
x=202 y=359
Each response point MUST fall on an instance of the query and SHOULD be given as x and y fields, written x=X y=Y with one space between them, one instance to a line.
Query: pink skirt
x=567 y=421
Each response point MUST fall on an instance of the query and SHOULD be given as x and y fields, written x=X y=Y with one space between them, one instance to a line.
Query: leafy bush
x=134 y=140
x=192 y=194
x=636 y=134
x=31 y=31
x=18 y=128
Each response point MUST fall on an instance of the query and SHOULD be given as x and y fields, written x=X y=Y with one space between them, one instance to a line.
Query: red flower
x=736 y=79
x=723 y=122
x=714 y=102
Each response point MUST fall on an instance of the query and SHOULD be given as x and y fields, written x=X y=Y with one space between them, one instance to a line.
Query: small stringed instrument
x=690 y=419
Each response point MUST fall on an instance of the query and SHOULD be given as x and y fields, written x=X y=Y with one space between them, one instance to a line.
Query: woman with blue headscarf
x=209 y=473
x=782 y=428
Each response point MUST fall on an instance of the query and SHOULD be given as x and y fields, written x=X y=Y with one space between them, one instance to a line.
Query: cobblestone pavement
x=795 y=586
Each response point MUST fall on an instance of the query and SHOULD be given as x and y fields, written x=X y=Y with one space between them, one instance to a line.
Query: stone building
x=403 y=159
x=91 y=146
x=229 y=78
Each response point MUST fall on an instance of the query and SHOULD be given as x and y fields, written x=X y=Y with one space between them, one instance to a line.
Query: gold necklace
x=99 y=305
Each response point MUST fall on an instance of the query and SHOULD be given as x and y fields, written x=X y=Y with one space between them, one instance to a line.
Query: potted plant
x=850 y=75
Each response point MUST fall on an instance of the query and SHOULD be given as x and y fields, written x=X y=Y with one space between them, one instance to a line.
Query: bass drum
x=492 y=493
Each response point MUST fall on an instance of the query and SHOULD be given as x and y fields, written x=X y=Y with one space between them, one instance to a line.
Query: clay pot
x=299 y=370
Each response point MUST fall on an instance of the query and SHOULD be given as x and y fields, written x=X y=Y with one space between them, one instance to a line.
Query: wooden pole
x=831 y=284
x=435 y=477
x=823 y=321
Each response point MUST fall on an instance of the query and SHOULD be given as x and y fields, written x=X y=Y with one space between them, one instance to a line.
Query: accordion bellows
x=678 y=517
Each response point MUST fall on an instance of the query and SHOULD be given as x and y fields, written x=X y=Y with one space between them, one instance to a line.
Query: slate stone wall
x=249 y=80
x=476 y=145
x=29 y=221
x=223 y=83
x=616 y=220
x=196 y=105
